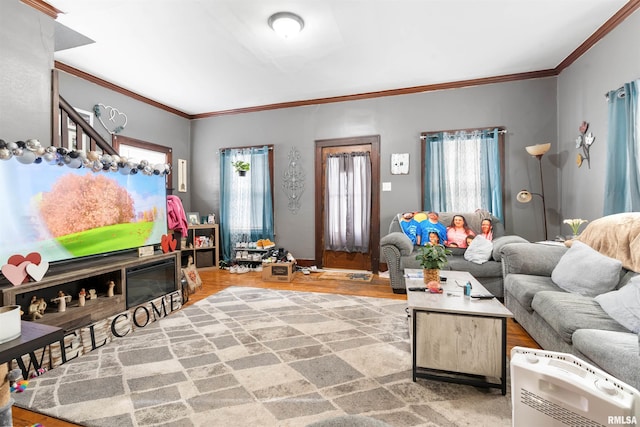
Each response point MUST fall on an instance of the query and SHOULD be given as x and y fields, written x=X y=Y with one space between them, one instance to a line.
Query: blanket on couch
x=616 y=236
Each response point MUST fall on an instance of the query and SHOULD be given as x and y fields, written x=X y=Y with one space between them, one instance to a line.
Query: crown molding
x=43 y=7
x=383 y=93
x=93 y=79
x=599 y=34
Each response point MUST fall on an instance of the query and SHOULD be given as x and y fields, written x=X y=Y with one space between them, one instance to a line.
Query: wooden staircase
x=62 y=112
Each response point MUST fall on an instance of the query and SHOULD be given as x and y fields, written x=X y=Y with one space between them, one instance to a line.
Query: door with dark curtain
x=329 y=254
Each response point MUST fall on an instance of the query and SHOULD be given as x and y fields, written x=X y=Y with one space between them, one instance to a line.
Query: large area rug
x=260 y=357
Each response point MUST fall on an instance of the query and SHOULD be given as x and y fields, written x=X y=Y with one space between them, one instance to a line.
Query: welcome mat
x=346 y=275
x=261 y=357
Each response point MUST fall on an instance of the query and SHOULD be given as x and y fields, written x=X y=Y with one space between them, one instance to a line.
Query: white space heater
x=553 y=389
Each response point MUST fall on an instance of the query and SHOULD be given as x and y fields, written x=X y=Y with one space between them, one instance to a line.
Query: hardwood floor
x=216 y=280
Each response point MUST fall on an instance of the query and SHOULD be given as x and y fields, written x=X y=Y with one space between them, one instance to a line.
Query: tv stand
x=88 y=274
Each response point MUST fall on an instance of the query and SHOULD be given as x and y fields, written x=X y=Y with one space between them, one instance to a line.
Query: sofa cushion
x=531 y=258
x=479 y=251
x=623 y=305
x=499 y=242
x=523 y=287
x=585 y=271
x=566 y=312
x=488 y=269
x=622 y=363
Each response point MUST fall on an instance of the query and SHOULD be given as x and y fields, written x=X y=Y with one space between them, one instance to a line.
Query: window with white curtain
x=463 y=170
x=246 y=201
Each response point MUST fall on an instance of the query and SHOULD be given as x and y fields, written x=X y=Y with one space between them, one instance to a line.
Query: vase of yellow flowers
x=575 y=224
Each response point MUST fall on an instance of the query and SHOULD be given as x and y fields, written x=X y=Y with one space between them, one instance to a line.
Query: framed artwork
x=193 y=218
x=193 y=278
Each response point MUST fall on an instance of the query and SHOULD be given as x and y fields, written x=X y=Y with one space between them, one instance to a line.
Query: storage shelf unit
x=203 y=244
x=88 y=274
x=251 y=253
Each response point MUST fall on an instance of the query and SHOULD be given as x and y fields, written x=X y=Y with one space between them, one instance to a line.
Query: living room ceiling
x=207 y=56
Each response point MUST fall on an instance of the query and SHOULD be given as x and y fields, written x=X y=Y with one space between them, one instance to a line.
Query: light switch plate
x=399 y=163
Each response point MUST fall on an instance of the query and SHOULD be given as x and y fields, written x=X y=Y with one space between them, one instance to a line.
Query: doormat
x=347 y=275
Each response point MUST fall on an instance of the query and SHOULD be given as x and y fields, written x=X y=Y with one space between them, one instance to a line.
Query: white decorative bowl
x=10 y=321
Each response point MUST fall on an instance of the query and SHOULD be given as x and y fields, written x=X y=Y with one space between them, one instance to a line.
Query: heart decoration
x=16 y=259
x=37 y=271
x=16 y=274
x=116 y=119
x=18 y=268
x=34 y=257
x=168 y=243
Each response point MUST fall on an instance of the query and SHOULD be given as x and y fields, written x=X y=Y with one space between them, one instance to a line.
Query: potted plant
x=432 y=259
x=241 y=167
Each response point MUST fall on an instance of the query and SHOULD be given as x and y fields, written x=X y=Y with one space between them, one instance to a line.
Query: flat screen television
x=65 y=213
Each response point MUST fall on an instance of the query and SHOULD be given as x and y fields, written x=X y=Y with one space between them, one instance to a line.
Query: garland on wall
x=32 y=152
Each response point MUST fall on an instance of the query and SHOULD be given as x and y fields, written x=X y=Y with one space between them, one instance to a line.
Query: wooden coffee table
x=456 y=338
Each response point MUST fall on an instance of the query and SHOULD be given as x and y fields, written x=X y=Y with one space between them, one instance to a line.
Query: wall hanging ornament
x=293 y=181
x=116 y=119
x=584 y=141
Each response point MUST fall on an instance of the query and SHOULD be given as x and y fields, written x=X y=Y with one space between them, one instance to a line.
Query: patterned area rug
x=347 y=275
x=260 y=357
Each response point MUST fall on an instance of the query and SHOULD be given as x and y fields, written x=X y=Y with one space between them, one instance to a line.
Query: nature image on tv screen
x=65 y=213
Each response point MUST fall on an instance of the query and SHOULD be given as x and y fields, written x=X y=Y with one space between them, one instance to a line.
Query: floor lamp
x=525 y=196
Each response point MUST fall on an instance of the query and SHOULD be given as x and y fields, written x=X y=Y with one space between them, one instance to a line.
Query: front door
x=339 y=259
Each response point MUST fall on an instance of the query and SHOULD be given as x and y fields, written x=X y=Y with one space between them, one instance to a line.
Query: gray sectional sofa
x=400 y=253
x=564 y=321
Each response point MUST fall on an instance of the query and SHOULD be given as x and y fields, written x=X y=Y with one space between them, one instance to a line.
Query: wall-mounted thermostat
x=400 y=164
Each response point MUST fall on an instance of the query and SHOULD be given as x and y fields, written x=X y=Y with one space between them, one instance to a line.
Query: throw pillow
x=479 y=251
x=623 y=305
x=585 y=271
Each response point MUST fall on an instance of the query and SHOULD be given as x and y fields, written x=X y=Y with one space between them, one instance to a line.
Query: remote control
x=483 y=296
x=417 y=289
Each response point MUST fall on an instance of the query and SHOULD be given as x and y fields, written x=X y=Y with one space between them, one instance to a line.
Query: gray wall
x=144 y=122
x=26 y=60
x=609 y=64
x=525 y=108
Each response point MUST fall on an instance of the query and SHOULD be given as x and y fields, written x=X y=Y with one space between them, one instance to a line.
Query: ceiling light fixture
x=286 y=24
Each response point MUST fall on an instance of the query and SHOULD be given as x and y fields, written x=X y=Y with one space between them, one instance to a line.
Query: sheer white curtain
x=462 y=166
x=347 y=202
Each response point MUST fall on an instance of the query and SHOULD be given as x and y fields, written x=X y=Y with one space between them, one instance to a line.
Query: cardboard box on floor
x=277 y=272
